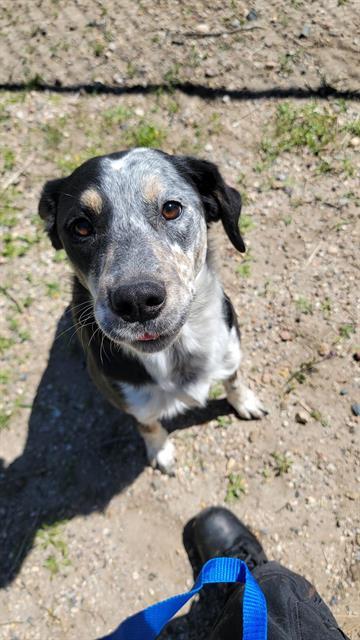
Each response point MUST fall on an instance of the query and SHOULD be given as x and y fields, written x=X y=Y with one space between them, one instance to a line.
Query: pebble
x=252 y=15
x=305 y=31
x=355 y=571
x=323 y=349
x=301 y=417
x=356 y=356
x=354 y=142
x=343 y=392
x=118 y=79
x=285 y=335
x=355 y=408
x=202 y=28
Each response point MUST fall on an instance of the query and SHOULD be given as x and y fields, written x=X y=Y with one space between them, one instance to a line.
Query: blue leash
x=147 y=624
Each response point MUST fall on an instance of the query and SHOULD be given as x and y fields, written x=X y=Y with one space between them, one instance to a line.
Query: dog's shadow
x=79 y=453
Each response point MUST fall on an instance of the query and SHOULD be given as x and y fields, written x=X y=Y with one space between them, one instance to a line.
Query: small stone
x=202 y=28
x=354 y=142
x=356 y=356
x=118 y=79
x=355 y=408
x=310 y=500
x=270 y=64
x=301 y=417
x=252 y=15
x=355 y=571
x=211 y=72
x=323 y=349
x=343 y=392
x=285 y=335
x=333 y=250
x=305 y=31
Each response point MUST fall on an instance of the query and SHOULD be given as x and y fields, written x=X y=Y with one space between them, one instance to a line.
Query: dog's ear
x=48 y=208
x=220 y=201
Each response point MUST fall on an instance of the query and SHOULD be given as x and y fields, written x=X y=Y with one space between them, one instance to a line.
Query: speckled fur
x=198 y=342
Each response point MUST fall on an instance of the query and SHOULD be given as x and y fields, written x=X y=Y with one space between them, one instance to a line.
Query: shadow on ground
x=79 y=453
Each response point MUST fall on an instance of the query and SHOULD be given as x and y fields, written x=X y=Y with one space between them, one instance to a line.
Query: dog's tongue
x=148 y=336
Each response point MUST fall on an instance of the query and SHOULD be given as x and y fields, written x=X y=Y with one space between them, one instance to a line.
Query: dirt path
x=88 y=532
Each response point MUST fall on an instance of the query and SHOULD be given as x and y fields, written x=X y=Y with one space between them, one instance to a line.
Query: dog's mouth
x=151 y=342
x=148 y=336
x=158 y=335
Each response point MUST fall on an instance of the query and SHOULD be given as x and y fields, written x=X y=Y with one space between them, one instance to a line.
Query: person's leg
x=295 y=609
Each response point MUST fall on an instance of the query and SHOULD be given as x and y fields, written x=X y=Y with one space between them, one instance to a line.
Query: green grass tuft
x=236 y=487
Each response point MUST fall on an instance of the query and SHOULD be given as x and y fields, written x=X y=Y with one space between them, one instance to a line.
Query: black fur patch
x=230 y=315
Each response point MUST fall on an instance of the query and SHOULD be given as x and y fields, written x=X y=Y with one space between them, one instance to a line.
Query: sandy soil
x=89 y=533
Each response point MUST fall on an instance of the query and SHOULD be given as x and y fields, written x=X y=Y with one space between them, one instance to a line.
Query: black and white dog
x=154 y=321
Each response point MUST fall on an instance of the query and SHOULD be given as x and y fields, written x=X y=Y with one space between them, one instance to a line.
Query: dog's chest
x=181 y=379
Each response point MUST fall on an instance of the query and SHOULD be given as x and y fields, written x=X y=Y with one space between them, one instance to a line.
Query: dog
x=155 y=324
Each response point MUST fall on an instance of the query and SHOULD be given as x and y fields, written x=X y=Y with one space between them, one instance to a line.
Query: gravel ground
x=89 y=533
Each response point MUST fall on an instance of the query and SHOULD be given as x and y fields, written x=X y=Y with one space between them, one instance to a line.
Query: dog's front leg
x=159 y=449
x=243 y=399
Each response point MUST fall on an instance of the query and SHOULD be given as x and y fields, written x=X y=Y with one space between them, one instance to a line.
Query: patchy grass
x=53 y=132
x=7 y=159
x=8 y=207
x=326 y=307
x=98 y=48
x=116 y=116
x=49 y=537
x=4 y=420
x=309 y=127
x=5 y=344
x=236 y=488
x=53 y=289
x=301 y=374
x=246 y=224
x=346 y=331
x=317 y=415
x=304 y=306
x=223 y=421
x=244 y=268
x=216 y=391
x=145 y=135
x=281 y=463
x=353 y=127
x=18 y=246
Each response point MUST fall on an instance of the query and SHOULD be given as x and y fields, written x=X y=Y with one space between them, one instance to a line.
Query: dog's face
x=134 y=226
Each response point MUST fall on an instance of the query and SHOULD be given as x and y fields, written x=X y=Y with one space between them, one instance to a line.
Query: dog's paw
x=163 y=458
x=247 y=405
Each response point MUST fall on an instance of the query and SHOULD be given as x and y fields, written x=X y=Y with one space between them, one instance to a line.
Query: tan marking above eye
x=91 y=199
x=152 y=188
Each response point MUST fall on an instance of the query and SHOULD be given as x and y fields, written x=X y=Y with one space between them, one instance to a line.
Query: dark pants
x=295 y=609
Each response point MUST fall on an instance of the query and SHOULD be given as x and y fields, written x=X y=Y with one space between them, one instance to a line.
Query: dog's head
x=134 y=226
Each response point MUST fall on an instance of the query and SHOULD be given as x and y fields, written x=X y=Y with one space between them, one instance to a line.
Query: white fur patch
x=206 y=335
x=244 y=400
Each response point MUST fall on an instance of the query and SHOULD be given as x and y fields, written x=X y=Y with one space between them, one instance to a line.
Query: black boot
x=218 y=532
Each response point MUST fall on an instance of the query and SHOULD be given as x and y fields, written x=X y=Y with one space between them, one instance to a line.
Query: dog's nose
x=138 y=301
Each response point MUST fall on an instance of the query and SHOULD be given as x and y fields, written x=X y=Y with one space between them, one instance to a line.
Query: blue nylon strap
x=147 y=624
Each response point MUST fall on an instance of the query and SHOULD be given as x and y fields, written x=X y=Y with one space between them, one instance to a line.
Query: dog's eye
x=171 y=210
x=82 y=228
